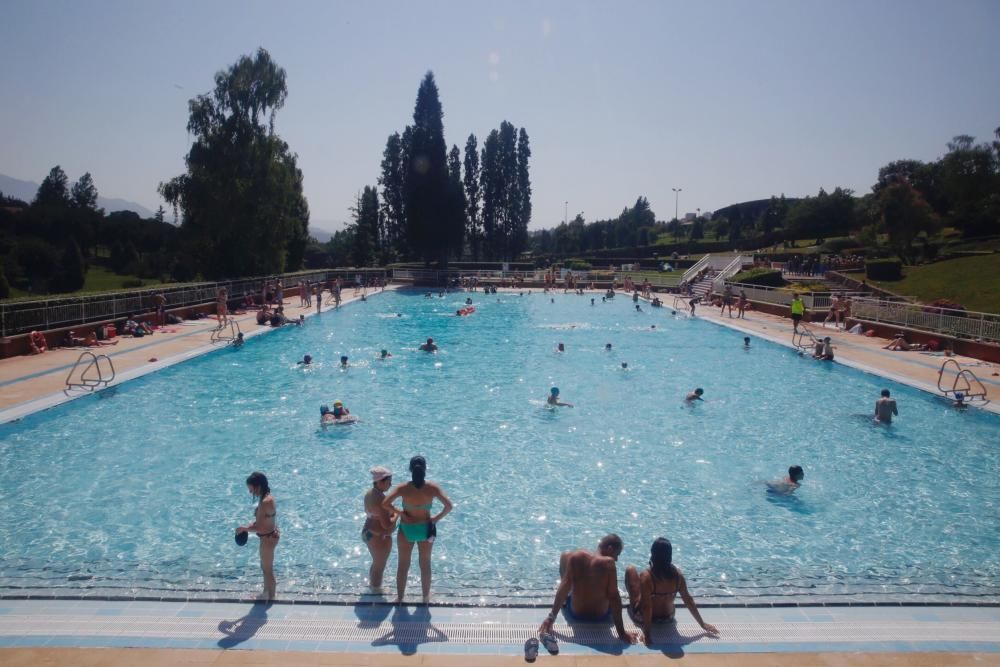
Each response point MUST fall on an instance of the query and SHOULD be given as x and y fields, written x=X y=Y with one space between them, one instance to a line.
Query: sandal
x=530 y=650
x=550 y=643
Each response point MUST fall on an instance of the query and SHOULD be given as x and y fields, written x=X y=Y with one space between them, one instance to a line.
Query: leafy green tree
x=243 y=208
x=38 y=262
x=522 y=203
x=366 y=227
x=4 y=285
x=492 y=190
x=71 y=273
x=697 y=229
x=825 y=215
x=970 y=176
x=393 y=217
x=473 y=196
x=84 y=194
x=674 y=227
x=425 y=187
x=160 y=214
x=54 y=190
x=905 y=214
x=456 y=221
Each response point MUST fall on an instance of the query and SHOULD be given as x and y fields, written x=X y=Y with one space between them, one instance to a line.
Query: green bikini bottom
x=418 y=532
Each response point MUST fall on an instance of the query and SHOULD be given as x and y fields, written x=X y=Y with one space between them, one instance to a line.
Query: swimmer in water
x=554 y=398
x=306 y=360
x=638 y=309
x=960 y=403
x=607 y=347
x=339 y=410
x=787 y=486
x=238 y=341
x=429 y=346
x=591 y=302
x=384 y=354
x=561 y=348
x=624 y=366
x=695 y=396
x=746 y=342
x=885 y=408
x=343 y=361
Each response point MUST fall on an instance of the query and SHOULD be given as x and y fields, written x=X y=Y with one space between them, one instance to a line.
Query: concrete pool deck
x=108 y=632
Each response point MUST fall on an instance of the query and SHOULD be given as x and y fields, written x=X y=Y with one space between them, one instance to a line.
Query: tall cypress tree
x=425 y=185
x=507 y=185
x=391 y=180
x=520 y=238
x=366 y=227
x=473 y=190
x=489 y=176
x=456 y=203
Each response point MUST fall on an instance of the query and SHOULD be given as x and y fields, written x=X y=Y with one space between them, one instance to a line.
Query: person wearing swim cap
x=746 y=342
x=306 y=360
x=384 y=354
x=695 y=396
x=554 y=398
x=379 y=525
x=429 y=346
x=339 y=410
x=960 y=403
x=343 y=361
x=416 y=524
x=652 y=592
x=607 y=347
x=238 y=341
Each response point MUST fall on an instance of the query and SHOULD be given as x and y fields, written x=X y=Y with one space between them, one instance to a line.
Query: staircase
x=704 y=286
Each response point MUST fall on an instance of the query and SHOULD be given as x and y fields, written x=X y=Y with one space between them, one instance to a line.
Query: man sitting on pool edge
x=588 y=590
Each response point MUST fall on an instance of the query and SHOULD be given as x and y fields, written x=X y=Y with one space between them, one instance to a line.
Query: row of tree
x=437 y=205
x=910 y=200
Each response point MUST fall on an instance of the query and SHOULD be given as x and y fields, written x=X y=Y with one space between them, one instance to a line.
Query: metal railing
x=18 y=317
x=727 y=272
x=92 y=375
x=696 y=268
x=946 y=322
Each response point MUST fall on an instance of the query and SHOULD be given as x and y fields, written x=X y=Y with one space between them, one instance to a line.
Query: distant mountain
x=26 y=190
x=319 y=229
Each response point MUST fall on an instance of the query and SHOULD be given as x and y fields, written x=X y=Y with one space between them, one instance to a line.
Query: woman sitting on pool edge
x=651 y=592
x=416 y=525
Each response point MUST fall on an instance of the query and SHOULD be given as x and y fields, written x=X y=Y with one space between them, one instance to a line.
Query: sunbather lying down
x=899 y=344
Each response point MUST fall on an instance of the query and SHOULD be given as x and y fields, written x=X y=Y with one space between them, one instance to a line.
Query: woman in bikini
x=379 y=524
x=652 y=591
x=265 y=525
x=416 y=525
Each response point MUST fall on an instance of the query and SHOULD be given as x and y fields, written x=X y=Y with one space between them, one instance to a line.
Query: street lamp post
x=565 y=212
x=677 y=196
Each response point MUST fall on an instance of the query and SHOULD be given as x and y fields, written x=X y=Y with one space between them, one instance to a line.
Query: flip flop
x=530 y=650
x=550 y=643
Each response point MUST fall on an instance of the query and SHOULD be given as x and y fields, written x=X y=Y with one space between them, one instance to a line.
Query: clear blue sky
x=728 y=100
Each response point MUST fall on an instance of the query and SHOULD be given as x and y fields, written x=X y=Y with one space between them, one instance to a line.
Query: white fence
x=984 y=327
x=18 y=317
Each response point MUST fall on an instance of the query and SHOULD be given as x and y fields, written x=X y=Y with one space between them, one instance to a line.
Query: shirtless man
x=429 y=346
x=787 y=485
x=588 y=589
x=885 y=408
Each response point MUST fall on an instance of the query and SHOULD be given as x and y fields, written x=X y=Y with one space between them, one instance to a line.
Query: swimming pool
x=137 y=493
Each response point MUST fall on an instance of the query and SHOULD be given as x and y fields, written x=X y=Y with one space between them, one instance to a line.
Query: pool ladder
x=804 y=340
x=95 y=370
x=964 y=382
x=226 y=331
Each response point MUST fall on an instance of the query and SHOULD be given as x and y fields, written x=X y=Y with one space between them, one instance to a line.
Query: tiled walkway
x=389 y=630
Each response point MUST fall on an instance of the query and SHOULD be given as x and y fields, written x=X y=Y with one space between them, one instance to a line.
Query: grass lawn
x=973 y=282
x=658 y=278
x=98 y=279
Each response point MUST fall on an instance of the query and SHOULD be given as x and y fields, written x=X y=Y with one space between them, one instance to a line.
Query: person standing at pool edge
x=798 y=310
x=379 y=524
x=416 y=525
x=265 y=525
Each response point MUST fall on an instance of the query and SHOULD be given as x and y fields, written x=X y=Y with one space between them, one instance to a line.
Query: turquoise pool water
x=138 y=492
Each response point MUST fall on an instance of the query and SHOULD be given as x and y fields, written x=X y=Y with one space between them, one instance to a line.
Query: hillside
x=973 y=282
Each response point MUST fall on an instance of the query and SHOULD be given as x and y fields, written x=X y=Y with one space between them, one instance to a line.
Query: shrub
x=760 y=276
x=835 y=246
x=578 y=265
x=132 y=282
x=884 y=269
x=937 y=304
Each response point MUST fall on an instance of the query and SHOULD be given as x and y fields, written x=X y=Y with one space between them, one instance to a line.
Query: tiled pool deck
x=108 y=632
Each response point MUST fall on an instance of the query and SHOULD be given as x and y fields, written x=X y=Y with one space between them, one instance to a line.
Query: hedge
x=884 y=269
x=760 y=276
